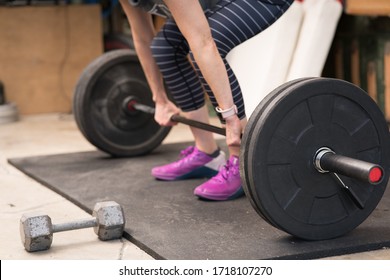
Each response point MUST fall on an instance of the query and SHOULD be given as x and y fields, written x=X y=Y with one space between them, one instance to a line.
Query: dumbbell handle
x=327 y=161
x=85 y=223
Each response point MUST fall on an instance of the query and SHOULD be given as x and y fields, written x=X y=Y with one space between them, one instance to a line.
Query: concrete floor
x=53 y=134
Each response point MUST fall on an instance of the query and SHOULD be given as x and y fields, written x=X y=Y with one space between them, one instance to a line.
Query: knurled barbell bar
x=314 y=156
x=37 y=230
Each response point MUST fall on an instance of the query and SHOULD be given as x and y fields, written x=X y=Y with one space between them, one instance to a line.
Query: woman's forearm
x=143 y=33
x=214 y=71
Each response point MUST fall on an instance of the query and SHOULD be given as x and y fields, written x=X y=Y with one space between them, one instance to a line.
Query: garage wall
x=43 y=50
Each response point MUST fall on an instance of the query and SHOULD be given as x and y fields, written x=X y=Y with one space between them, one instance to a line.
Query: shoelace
x=225 y=170
x=187 y=151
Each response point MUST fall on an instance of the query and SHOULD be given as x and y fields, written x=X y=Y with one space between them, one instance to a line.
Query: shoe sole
x=202 y=172
x=237 y=194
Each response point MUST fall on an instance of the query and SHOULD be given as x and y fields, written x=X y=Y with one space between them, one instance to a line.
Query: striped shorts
x=232 y=22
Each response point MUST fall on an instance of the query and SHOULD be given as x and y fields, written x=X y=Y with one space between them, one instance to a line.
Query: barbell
x=314 y=157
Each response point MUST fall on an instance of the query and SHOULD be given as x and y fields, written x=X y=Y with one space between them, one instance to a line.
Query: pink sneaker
x=192 y=164
x=225 y=185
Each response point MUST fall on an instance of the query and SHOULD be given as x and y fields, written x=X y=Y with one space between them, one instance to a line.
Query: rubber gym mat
x=167 y=221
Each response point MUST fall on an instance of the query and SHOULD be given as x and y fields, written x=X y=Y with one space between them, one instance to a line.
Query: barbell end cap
x=375 y=175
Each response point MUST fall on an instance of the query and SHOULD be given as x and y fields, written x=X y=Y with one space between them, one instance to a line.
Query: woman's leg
x=232 y=22
x=170 y=50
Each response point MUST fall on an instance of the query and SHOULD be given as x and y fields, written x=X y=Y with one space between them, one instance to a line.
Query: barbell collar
x=80 y=224
x=326 y=160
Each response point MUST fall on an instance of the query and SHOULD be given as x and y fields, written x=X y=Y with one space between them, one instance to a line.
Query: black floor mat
x=167 y=221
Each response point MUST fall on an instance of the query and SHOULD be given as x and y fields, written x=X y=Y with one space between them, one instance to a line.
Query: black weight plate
x=258 y=113
x=98 y=106
x=306 y=116
x=116 y=41
x=246 y=139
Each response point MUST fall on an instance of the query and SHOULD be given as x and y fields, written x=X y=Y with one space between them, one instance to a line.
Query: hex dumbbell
x=37 y=230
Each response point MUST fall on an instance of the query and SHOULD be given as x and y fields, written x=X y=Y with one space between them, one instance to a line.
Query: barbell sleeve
x=86 y=223
x=327 y=160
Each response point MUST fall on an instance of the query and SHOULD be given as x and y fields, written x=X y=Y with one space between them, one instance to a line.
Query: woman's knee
x=160 y=49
